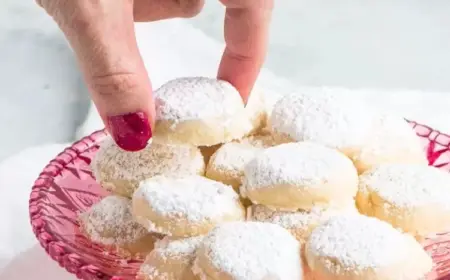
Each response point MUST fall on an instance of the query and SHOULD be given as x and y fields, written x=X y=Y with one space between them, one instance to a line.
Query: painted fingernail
x=130 y=131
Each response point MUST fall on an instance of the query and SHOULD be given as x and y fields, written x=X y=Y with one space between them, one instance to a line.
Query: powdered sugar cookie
x=201 y=111
x=326 y=118
x=392 y=140
x=185 y=206
x=300 y=223
x=357 y=247
x=228 y=162
x=110 y=223
x=249 y=250
x=171 y=259
x=120 y=172
x=412 y=197
x=300 y=176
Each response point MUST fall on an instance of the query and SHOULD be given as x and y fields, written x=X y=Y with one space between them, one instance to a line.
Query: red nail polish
x=131 y=131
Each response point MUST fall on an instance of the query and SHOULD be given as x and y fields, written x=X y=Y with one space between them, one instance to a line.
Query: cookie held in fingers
x=200 y=111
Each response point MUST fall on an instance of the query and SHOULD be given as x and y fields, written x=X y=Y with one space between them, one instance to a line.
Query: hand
x=101 y=32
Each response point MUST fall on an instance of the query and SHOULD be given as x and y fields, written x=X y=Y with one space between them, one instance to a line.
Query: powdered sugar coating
x=232 y=157
x=110 y=222
x=298 y=164
x=171 y=259
x=392 y=140
x=325 y=118
x=408 y=185
x=250 y=250
x=117 y=169
x=195 y=98
x=356 y=242
x=194 y=198
x=300 y=222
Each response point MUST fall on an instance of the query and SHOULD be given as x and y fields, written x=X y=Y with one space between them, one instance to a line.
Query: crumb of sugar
x=110 y=222
x=253 y=250
x=358 y=242
x=409 y=185
x=194 y=198
x=196 y=98
x=324 y=118
x=155 y=159
x=293 y=163
x=232 y=157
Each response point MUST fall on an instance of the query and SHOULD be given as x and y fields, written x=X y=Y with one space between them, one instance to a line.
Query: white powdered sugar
x=296 y=220
x=196 y=98
x=176 y=255
x=392 y=139
x=325 y=118
x=113 y=163
x=408 y=185
x=252 y=250
x=194 y=198
x=357 y=242
x=181 y=249
x=232 y=157
x=296 y=164
x=110 y=222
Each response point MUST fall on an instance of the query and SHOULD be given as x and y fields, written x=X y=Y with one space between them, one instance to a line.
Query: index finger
x=246 y=37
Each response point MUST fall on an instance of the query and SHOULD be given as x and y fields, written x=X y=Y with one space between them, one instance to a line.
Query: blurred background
x=396 y=52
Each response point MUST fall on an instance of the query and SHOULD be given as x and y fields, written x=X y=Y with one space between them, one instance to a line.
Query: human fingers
x=102 y=36
x=153 y=10
x=246 y=35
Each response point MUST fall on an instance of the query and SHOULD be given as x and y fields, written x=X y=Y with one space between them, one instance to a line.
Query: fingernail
x=131 y=131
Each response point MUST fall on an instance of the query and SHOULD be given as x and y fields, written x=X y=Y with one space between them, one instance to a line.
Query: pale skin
x=101 y=32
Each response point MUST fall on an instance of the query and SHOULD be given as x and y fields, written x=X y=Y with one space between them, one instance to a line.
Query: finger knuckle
x=115 y=84
x=191 y=8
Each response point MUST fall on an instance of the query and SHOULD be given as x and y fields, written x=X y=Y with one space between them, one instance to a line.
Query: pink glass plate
x=66 y=187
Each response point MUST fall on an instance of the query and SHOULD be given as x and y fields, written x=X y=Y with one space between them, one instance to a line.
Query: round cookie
x=248 y=250
x=201 y=111
x=412 y=197
x=120 y=172
x=228 y=162
x=171 y=259
x=300 y=223
x=110 y=223
x=326 y=118
x=392 y=140
x=300 y=176
x=356 y=247
x=185 y=206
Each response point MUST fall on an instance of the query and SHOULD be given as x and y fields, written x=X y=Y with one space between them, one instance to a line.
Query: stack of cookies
x=315 y=187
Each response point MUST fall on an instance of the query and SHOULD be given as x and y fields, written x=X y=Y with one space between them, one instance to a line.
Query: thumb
x=103 y=38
